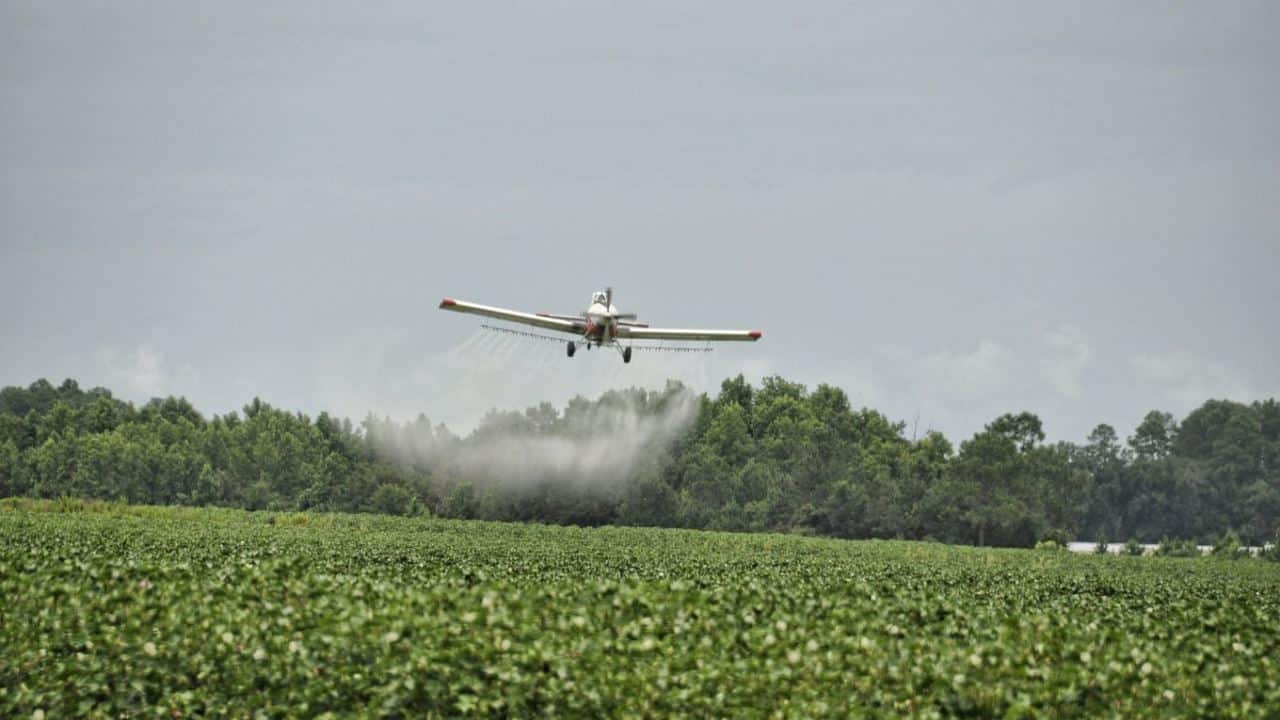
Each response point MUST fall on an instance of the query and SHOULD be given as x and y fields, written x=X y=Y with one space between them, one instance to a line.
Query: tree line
x=773 y=457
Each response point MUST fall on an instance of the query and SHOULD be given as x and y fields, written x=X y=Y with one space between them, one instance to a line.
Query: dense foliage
x=138 y=611
x=777 y=457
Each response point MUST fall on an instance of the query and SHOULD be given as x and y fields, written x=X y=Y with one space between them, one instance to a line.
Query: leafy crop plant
x=114 y=611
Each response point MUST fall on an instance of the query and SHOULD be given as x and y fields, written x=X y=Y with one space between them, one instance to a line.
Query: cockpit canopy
x=599 y=297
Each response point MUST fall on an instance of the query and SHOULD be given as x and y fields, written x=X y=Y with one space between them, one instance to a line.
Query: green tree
x=1153 y=438
x=991 y=490
x=1106 y=462
x=392 y=499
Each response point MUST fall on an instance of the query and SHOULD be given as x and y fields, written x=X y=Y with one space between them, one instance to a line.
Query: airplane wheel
x=626 y=355
x=571 y=349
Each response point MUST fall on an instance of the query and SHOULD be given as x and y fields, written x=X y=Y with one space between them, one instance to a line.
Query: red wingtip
x=447 y=302
x=755 y=334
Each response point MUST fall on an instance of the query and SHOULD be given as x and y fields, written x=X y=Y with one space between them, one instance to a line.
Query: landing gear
x=571 y=349
x=626 y=355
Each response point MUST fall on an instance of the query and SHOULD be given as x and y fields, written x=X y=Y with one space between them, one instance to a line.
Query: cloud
x=986 y=364
x=944 y=388
x=1068 y=354
x=957 y=389
x=143 y=372
x=1180 y=381
x=1166 y=369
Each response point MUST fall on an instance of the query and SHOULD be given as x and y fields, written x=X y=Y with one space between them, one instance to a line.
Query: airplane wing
x=570 y=318
x=647 y=333
x=561 y=323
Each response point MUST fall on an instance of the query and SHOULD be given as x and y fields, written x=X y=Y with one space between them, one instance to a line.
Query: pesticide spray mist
x=591 y=446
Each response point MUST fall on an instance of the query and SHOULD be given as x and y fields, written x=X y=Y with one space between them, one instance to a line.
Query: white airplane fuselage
x=600 y=322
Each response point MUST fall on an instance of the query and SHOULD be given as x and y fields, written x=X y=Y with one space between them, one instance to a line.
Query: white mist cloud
x=601 y=446
x=591 y=444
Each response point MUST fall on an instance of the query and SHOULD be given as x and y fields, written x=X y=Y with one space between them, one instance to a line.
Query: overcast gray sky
x=951 y=210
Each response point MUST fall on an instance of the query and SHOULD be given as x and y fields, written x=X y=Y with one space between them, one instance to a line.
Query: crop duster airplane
x=600 y=325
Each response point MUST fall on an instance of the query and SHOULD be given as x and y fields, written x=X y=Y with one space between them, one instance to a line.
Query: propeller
x=608 y=304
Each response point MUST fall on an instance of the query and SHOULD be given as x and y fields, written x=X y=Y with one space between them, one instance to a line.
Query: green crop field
x=138 y=611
